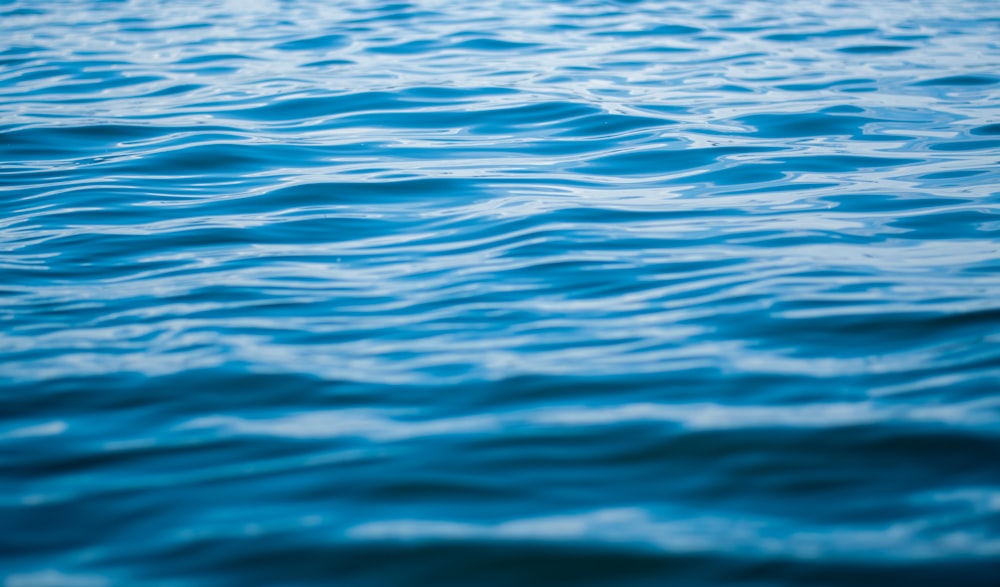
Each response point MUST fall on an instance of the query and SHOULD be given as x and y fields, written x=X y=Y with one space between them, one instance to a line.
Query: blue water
x=496 y=293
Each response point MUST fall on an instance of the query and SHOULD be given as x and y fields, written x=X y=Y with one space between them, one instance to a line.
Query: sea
x=490 y=293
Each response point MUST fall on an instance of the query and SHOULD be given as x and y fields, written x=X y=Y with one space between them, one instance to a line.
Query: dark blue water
x=496 y=293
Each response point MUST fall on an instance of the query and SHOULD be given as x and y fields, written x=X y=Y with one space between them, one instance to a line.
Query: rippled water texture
x=483 y=293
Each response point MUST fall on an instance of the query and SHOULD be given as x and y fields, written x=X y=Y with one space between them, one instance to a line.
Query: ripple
x=960 y=80
x=679 y=535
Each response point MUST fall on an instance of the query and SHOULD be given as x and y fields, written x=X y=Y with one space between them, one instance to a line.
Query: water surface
x=499 y=293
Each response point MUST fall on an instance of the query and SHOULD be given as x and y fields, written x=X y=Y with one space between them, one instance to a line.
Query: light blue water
x=499 y=293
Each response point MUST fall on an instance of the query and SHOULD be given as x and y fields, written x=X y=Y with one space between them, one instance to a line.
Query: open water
x=493 y=293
